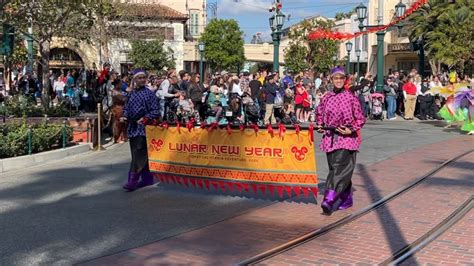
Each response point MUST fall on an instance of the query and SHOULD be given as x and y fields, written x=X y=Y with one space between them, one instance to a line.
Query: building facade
x=178 y=22
x=350 y=25
x=398 y=50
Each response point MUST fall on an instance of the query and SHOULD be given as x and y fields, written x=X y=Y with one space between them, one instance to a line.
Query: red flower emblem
x=300 y=153
x=157 y=144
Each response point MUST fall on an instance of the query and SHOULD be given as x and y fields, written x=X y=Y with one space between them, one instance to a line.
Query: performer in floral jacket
x=142 y=105
x=339 y=119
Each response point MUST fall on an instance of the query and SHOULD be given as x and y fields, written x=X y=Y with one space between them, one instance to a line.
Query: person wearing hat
x=339 y=118
x=142 y=105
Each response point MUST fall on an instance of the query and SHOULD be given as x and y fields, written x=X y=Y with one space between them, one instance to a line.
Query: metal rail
x=410 y=249
x=323 y=230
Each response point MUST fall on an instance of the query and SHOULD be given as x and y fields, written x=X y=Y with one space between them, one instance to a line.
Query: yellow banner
x=237 y=156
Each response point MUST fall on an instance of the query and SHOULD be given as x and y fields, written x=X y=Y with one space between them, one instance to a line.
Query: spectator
x=214 y=101
x=165 y=91
x=235 y=86
x=184 y=80
x=300 y=96
x=390 y=90
x=255 y=87
x=196 y=92
x=409 y=93
x=118 y=103
x=270 y=90
x=59 y=87
x=426 y=101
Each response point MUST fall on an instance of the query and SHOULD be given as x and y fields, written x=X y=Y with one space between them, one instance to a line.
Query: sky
x=253 y=15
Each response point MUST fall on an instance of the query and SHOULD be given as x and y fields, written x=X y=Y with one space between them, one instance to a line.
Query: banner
x=234 y=159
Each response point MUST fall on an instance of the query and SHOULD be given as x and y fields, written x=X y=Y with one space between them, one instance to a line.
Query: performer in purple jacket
x=339 y=119
x=142 y=104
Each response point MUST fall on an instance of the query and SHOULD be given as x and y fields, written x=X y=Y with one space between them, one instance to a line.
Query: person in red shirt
x=409 y=93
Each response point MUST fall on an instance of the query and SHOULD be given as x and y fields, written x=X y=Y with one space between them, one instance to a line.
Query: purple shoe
x=330 y=197
x=147 y=179
x=346 y=200
x=132 y=182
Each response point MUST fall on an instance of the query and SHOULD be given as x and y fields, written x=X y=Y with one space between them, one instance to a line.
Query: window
x=194 y=23
x=357 y=43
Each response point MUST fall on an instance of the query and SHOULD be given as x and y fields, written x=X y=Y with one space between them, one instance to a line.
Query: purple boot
x=346 y=200
x=330 y=197
x=147 y=179
x=132 y=181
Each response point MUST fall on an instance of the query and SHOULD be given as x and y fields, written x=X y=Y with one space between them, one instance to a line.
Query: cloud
x=237 y=7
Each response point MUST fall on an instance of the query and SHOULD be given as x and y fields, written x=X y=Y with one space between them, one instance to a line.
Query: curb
x=25 y=161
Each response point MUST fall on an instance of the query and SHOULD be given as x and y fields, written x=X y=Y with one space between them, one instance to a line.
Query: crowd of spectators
x=261 y=97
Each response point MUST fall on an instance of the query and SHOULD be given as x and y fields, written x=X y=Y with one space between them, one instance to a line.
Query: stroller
x=377 y=103
x=251 y=111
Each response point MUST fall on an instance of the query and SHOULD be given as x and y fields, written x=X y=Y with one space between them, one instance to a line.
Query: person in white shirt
x=164 y=92
x=418 y=84
x=435 y=82
x=236 y=86
x=59 y=87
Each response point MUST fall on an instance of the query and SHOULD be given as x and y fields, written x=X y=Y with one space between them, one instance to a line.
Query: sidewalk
x=238 y=238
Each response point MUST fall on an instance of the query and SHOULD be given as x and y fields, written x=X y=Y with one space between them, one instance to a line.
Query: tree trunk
x=45 y=48
x=434 y=67
x=7 y=76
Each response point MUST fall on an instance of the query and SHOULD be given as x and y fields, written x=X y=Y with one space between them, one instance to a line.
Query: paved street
x=74 y=210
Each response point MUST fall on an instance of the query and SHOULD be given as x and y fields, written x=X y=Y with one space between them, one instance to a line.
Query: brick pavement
x=453 y=247
x=376 y=236
x=238 y=238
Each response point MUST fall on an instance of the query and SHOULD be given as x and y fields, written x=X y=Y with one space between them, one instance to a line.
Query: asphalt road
x=74 y=210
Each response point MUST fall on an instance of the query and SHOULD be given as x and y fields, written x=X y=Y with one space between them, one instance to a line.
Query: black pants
x=198 y=106
x=138 y=148
x=341 y=166
x=426 y=106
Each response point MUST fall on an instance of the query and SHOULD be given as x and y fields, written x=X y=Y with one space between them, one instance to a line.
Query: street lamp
x=348 y=49
x=201 y=47
x=361 y=11
x=358 y=62
x=276 y=24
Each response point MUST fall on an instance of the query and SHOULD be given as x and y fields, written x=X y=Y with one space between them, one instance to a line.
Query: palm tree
x=446 y=29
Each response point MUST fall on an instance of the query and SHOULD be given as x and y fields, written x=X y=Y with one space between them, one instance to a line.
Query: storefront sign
x=400 y=47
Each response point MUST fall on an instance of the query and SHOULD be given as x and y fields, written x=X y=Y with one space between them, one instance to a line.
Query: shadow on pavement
x=78 y=213
x=385 y=216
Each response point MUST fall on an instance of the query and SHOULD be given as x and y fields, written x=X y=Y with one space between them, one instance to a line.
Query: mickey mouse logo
x=157 y=144
x=300 y=154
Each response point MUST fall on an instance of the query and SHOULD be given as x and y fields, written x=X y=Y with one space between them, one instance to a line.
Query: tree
x=54 y=18
x=19 y=57
x=446 y=29
x=224 y=45
x=342 y=15
x=151 y=55
x=317 y=55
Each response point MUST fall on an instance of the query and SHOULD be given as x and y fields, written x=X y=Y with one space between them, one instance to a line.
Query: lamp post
x=201 y=47
x=276 y=24
x=361 y=11
x=348 y=64
x=358 y=62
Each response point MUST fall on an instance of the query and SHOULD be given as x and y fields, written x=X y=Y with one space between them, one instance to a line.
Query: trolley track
x=344 y=221
x=417 y=245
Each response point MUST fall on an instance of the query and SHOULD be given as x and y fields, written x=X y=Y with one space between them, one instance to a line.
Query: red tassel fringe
x=235 y=186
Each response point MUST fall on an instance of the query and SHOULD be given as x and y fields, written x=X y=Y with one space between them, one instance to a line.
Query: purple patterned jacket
x=340 y=109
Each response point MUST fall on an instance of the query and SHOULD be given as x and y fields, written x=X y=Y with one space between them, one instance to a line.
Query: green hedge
x=14 y=138
x=23 y=106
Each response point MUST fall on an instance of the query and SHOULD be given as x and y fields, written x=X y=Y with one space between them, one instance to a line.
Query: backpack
x=278 y=100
